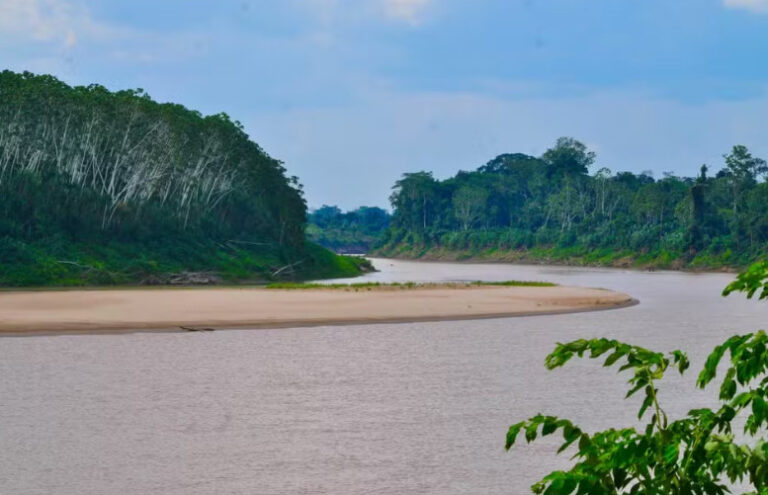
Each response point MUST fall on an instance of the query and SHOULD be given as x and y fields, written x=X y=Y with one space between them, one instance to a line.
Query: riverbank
x=173 y=262
x=599 y=258
x=121 y=310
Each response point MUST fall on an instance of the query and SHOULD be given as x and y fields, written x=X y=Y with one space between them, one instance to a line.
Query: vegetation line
x=564 y=207
x=407 y=285
x=112 y=188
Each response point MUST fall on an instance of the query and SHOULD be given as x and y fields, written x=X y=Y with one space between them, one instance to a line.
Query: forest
x=353 y=232
x=563 y=207
x=101 y=187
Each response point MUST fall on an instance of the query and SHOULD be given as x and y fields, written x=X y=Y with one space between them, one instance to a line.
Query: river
x=374 y=409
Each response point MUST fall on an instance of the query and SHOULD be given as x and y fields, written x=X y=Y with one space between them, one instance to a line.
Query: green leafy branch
x=696 y=454
x=751 y=281
x=689 y=455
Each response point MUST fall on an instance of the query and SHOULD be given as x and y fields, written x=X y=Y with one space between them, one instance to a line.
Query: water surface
x=380 y=409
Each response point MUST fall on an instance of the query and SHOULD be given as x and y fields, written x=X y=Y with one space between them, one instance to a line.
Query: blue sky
x=352 y=93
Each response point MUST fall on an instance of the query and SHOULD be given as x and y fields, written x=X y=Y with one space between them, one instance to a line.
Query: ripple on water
x=408 y=408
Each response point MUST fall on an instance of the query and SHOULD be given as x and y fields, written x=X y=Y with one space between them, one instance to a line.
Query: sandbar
x=132 y=310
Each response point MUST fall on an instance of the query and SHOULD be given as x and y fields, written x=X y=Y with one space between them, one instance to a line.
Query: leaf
x=646 y=404
x=549 y=427
x=671 y=453
x=514 y=430
x=570 y=435
x=584 y=442
x=728 y=387
x=710 y=367
x=751 y=281
x=742 y=400
x=598 y=347
x=681 y=360
x=640 y=384
x=759 y=409
x=615 y=356
x=561 y=485
x=531 y=432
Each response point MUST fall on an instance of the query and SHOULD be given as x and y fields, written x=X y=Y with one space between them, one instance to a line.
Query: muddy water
x=405 y=408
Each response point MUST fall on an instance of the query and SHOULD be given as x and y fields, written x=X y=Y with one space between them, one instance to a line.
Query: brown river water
x=361 y=409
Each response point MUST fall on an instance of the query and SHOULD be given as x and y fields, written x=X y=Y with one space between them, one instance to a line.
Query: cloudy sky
x=352 y=93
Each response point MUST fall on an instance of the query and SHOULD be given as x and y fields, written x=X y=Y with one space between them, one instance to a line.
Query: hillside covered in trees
x=353 y=232
x=551 y=208
x=113 y=187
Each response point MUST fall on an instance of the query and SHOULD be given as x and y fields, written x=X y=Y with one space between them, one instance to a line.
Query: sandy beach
x=127 y=310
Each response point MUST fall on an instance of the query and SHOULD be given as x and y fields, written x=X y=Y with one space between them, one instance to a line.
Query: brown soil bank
x=543 y=256
x=111 y=311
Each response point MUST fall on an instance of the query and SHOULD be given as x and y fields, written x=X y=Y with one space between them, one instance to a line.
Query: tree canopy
x=564 y=203
x=84 y=168
x=354 y=231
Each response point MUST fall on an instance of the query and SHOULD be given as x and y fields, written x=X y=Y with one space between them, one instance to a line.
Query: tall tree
x=569 y=157
x=743 y=171
x=415 y=196
x=468 y=204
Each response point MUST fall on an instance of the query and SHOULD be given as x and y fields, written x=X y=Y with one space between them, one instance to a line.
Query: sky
x=351 y=94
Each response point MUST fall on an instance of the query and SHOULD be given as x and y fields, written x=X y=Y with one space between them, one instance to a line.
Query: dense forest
x=551 y=208
x=113 y=187
x=353 y=232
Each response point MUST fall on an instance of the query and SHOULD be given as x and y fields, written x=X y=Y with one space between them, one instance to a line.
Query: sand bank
x=127 y=310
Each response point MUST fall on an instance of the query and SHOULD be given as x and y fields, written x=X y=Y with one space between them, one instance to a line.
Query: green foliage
x=515 y=283
x=351 y=232
x=322 y=263
x=100 y=187
x=568 y=157
x=752 y=281
x=518 y=205
x=406 y=285
x=64 y=263
x=696 y=454
x=355 y=286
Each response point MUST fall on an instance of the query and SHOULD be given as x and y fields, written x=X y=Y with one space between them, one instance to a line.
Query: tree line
x=83 y=168
x=354 y=231
x=552 y=206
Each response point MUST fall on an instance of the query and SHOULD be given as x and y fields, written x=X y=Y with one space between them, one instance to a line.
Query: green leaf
x=646 y=404
x=615 y=356
x=570 y=435
x=710 y=367
x=671 y=453
x=640 y=384
x=728 y=388
x=514 y=430
x=531 y=431
x=550 y=425
x=759 y=409
x=681 y=360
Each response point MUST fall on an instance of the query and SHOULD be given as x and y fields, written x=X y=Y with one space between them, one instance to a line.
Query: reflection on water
x=407 y=408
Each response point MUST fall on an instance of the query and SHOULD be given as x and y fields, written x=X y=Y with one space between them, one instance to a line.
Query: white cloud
x=62 y=23
x=56 y=36
x=411 y=11
x=43 y=20
x=329 y=11
x=396 y=132
x=759 y=6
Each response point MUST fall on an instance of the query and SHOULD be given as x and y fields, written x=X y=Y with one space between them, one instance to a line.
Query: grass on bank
x=58 y=262
x=406 y=285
